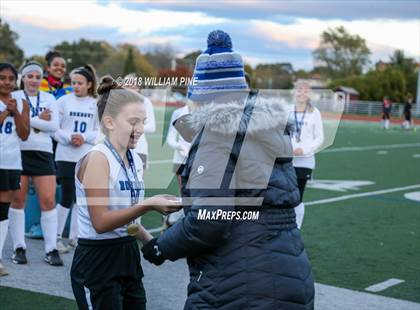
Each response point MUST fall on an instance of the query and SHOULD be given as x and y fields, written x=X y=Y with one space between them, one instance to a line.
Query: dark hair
x=90 y=74
x=113 y=97
x=8 y=66
x=51 y=55
x=28 y=63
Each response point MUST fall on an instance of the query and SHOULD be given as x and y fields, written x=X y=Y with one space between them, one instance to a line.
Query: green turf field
x=362 y=241
x=352 y=243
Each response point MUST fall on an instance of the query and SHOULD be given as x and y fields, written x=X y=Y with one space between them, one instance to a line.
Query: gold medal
x=133 y=229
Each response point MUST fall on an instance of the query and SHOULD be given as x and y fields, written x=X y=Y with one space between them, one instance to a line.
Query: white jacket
x=175 y=141
x=311 y=137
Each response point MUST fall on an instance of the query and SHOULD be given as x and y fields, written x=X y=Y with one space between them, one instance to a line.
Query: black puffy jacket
x=241 y=264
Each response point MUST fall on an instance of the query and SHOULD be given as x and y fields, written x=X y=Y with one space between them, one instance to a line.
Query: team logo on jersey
x=127 y=185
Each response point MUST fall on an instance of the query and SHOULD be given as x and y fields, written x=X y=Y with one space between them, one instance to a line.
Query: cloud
x=259 y=40
x=263 y=9
x=305 y=33
x=93 y=14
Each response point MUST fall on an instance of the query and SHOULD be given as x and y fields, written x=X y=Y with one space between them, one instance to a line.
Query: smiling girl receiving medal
x=308 y=136
x=106 y=271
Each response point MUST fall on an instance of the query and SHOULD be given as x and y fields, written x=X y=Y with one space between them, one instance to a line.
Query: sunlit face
x=302 y=92
x=32 y=81
x=128 y=126
x=7 y=81
x=57 y=68
x=80 y=85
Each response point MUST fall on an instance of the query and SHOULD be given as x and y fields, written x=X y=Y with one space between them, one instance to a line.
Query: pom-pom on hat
x=218 y=71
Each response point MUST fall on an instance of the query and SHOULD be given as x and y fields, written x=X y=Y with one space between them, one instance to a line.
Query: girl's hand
x=298 y=152
x=143 y=235
x=45 y=115
x=11 y=105
x=164 y=204
x=77 y=139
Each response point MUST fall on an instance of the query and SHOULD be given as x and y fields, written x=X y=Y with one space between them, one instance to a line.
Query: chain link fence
x=374 y=108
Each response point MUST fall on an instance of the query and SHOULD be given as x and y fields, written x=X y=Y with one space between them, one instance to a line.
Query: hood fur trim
x=224 y=118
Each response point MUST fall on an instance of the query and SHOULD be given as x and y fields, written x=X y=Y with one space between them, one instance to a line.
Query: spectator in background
x=307 y=137
x=386 y=112
x=37 y=162
x=77 y=134
x=407 y=124
x=53 y=82
x=14 y=127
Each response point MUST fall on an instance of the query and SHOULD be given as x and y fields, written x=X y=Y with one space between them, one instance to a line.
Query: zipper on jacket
x=199 y=277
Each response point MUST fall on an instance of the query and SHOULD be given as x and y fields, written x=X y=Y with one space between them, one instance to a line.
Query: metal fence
x=374 y=108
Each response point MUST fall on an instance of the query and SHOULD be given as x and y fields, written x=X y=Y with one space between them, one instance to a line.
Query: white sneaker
x=3 y=271
x=61 y=247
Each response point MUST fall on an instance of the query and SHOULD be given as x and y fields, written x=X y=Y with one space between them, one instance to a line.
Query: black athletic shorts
x=65 y=169
x=106 y=274
x=36 y=163
x=9 y=179
x=303 y=175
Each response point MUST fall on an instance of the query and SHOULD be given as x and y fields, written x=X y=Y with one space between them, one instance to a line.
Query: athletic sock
x=3 y=233
x=17 y=227
x=300 y=212
x=49 y=229
x=74 y=226
x=62 y=214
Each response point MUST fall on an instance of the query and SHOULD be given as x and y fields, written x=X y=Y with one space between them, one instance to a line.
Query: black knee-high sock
x=4 y=222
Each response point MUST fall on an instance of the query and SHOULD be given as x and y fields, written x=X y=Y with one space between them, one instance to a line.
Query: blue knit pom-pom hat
x=218 y=71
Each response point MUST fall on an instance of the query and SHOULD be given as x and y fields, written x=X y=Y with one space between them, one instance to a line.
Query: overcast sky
x=261 y=31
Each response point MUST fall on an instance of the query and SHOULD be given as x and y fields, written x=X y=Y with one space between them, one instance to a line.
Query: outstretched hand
x=164 y=203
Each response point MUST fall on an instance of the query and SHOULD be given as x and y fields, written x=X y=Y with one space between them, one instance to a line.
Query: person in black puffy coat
x=239 y=161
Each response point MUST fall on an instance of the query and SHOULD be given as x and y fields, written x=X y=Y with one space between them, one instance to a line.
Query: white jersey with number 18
x=9 y=140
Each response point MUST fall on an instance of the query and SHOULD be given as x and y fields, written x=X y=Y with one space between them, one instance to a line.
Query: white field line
x=158 y=162
x=383 y=285
x=370 y=147
x=334 y=150
x=346 y=197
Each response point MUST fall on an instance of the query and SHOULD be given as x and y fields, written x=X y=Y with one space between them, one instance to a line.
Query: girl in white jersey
x=76 y=135
x=106 y=271
x=14 y=126
x=308 y=136
x=38 y=164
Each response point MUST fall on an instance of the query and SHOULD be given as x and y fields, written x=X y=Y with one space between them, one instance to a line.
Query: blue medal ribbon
x=34 y=110
x=299 y=124
x=135 y=194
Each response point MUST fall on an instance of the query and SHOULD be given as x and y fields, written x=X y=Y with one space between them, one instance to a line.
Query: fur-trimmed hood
x=224 y=118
